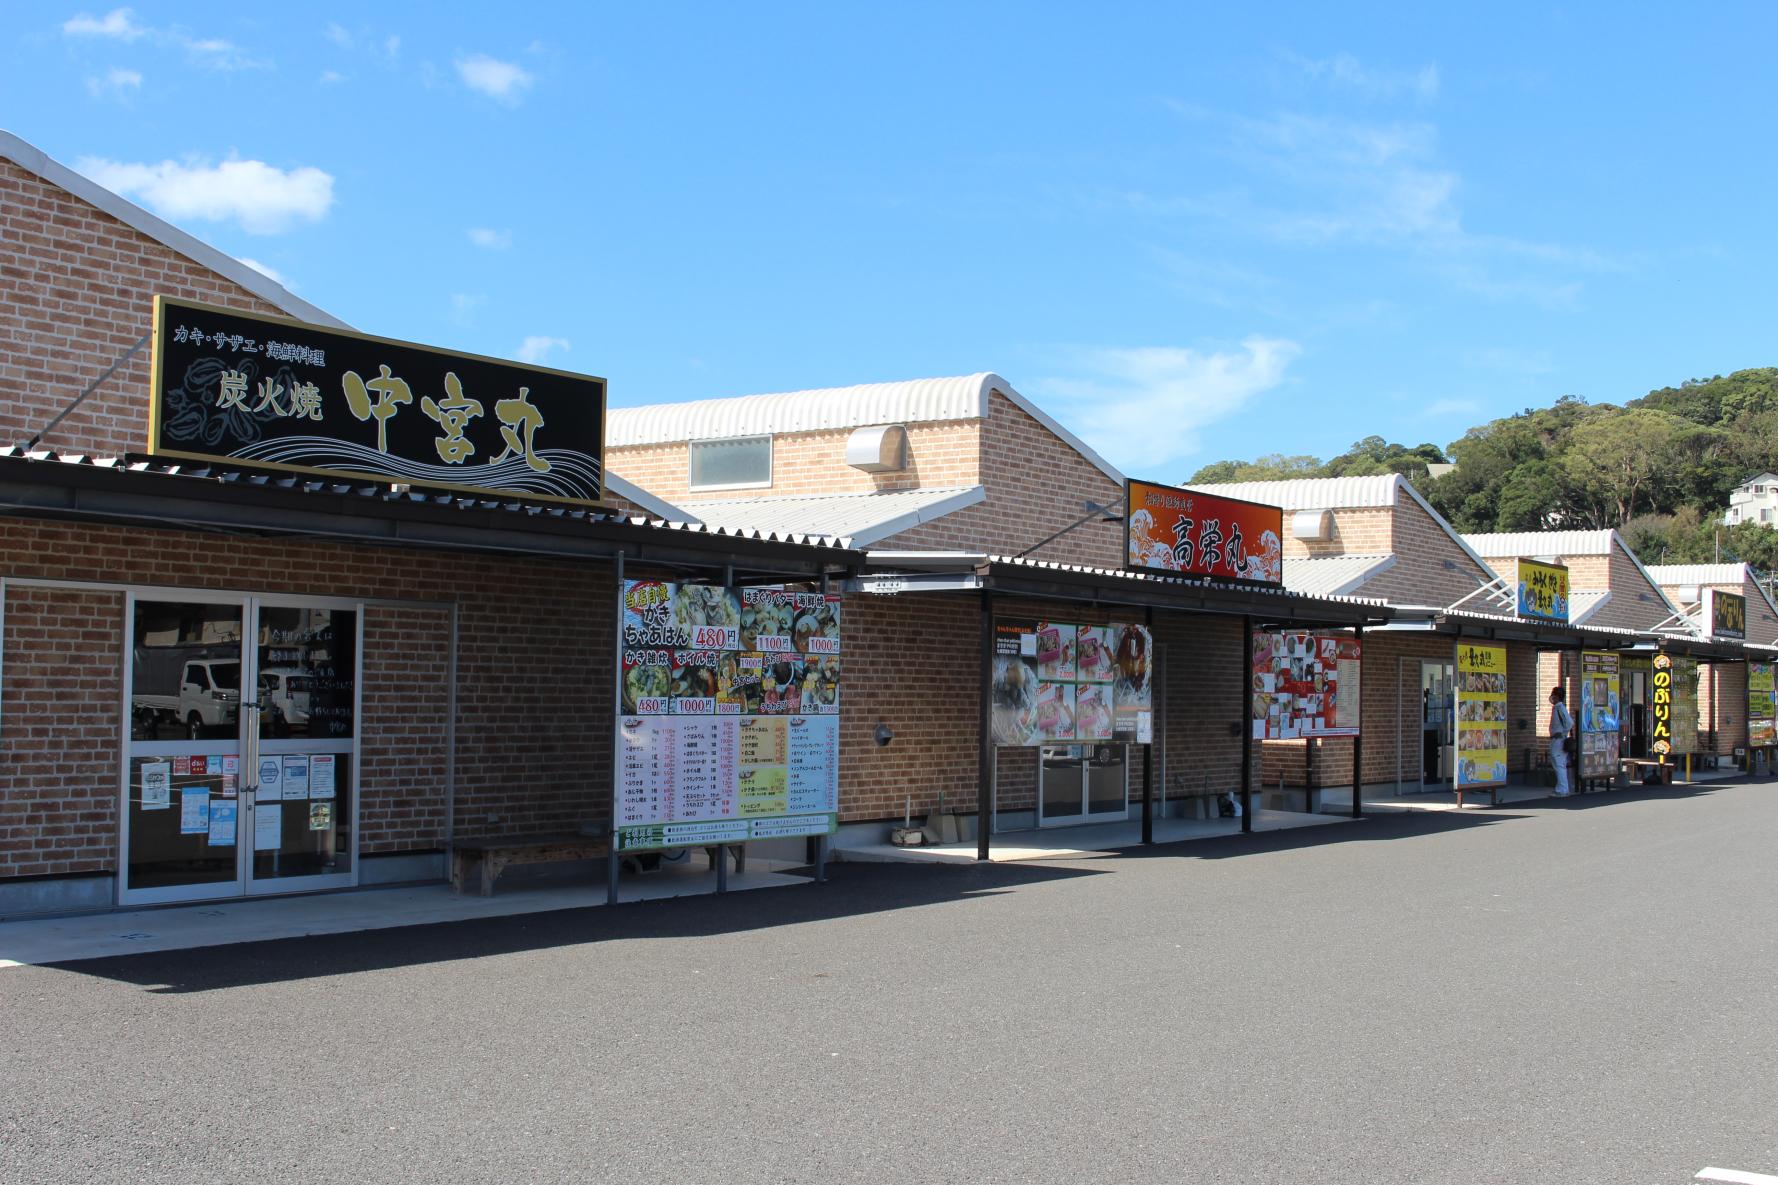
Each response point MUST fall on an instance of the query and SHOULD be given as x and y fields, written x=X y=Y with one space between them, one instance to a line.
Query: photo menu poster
x=1481 y=715
x=1061 y=683
x=1599 y=714
x=1305 y=685
x=728 y=726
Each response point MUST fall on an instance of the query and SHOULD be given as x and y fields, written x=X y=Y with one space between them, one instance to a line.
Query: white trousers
x=1559 y=762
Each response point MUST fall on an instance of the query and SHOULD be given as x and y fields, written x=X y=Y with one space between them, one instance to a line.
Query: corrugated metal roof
x=1514 y=544
x=917 y=401
x=1314 y=493
x=914 y=401
x=225 y=477
x=1337 y=575
x=1582 y=604
x=861 y=518
x=1681 y=575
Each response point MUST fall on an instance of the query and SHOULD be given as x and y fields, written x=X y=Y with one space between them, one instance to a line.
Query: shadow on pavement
x=852 y=890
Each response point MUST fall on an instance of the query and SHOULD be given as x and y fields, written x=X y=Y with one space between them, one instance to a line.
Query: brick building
x=966 y=483
x=441 y=665
x=1722 y=687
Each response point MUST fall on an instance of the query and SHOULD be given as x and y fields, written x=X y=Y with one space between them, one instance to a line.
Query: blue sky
x=1189 y=232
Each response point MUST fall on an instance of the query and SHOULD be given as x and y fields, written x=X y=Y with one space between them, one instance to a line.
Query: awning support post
x=613 y=862
x=1148 y=749
x=1245 y=706
x=984 y=794
x=1358 y=738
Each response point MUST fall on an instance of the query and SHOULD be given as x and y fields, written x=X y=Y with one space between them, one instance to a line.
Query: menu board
x=728 y=720
x=1305 y=685
x=1481 y=715
x=1060 y=683
x=1762 y=719
x=1600 y=717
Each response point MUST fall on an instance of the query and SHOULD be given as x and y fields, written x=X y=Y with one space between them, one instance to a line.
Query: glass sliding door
x=240 y=766
x=181 y=805
x=304 y=746
x=1082 y=784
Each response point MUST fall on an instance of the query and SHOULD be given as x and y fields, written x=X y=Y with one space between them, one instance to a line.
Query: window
x=731 y=464
x=1765 y=516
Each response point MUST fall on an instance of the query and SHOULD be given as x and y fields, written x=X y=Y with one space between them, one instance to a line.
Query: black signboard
x=269 y=392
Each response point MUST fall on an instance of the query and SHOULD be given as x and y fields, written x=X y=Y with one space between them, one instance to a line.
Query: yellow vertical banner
x=1481 y=715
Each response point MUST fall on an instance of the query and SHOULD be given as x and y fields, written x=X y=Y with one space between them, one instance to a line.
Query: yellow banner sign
x=1481 y=715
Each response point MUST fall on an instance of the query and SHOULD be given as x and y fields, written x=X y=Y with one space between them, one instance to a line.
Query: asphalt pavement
x=1571 y=991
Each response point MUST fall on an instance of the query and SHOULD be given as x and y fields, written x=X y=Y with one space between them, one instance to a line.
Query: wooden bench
x=497 y=853
x=1635 y=768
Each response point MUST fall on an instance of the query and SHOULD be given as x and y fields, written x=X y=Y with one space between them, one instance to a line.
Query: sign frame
x=163 y=305
x=1131 y=509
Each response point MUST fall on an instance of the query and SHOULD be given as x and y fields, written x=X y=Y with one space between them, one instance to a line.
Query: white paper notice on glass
x=1259 y=730
x=1145 y=728
x=321 y=781
x=222 y=824
x=194 y=812
x=268 y=827
x=231 y=777
x=296 y=776
x=157 y=785
x=269 y=777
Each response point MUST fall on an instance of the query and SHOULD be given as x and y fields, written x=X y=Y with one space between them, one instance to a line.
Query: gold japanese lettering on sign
x=305 y=398
x=1728 y=614
x=391 y=392
x=515 y=414
x=453 y=415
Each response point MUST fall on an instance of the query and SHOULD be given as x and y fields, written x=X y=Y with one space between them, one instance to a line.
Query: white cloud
x=505 y=81
x=392 y=46
x=330 y=77
x=216 y=54
x=117 y=82
x=266 y=270
x=263 y=199
x=1142 y=408
x=493 y=240
x=338 y=35
x=1344 y=70
x=536 y=349
x=118 y=23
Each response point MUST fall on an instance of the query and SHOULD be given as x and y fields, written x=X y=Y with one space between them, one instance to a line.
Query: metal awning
x=937 y=572
x=136 y=491
x=1556 y=636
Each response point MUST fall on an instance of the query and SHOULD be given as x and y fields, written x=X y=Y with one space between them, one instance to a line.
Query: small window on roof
x=731 y=464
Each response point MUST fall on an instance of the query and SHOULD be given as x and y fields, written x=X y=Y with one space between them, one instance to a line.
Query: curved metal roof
x=914 y=401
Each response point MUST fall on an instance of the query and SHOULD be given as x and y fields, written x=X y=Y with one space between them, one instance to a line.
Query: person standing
x=1561 y=724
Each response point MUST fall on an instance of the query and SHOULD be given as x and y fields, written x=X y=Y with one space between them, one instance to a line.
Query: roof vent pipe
x=879 y=449
x=1316 y=525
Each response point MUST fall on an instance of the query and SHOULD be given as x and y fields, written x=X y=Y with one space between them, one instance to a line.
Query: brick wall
x=1364 y=530
x=533 y=737
x=1036 y=484
x=913 y=663
x=940 y=455
x=77 y=287
x=60 y=693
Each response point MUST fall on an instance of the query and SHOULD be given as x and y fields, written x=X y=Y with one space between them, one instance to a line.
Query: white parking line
x=1736 y=1177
